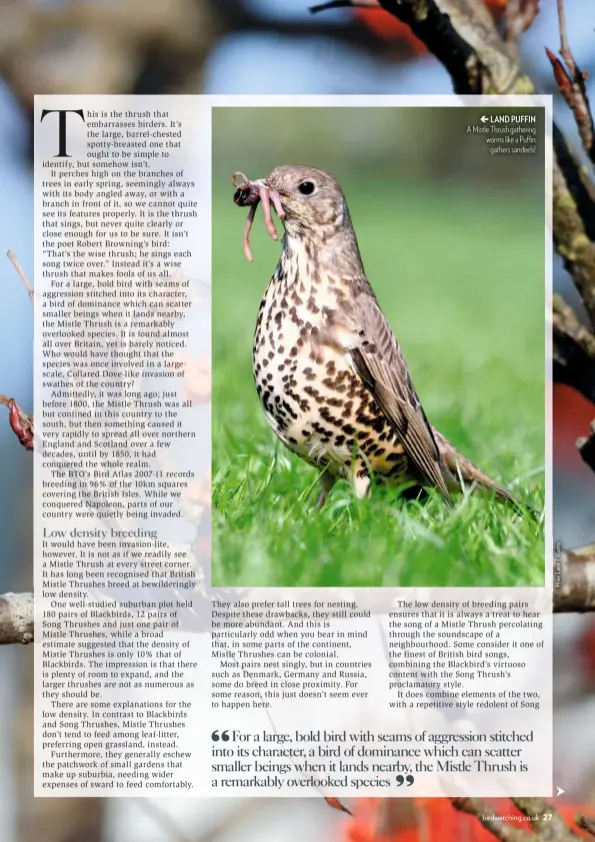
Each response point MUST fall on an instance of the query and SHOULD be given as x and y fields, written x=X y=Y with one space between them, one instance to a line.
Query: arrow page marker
x=560 y=791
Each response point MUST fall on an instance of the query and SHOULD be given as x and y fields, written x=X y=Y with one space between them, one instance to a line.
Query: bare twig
x=586 y=823
x=520 y=14
x=16 y=618
x=571 y=84
x=21 y=423
x=21 y=273
x=564 y=44
x=337 y=804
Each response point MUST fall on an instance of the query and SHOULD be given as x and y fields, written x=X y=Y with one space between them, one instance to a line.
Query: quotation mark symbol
x=224 y=736
x=401 y=780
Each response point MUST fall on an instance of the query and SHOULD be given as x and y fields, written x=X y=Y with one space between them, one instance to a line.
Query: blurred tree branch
x=142 y=46
x=575 y=589
x=80 y=46
x=16 y=618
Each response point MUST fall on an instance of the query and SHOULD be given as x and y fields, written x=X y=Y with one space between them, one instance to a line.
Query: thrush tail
x=461 y=468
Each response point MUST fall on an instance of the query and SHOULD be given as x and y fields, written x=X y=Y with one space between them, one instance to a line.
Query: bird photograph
x=406 y=398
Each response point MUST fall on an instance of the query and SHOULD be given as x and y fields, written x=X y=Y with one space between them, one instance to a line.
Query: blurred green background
x=452 y=240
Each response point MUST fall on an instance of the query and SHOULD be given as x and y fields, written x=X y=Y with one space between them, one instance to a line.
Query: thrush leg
x=361 y=479
x=326 y=481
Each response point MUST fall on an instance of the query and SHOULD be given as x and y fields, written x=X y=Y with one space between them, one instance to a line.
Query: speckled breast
x=312 y=399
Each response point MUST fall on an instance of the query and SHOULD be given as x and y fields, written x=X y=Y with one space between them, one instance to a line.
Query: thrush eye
x=306 y=188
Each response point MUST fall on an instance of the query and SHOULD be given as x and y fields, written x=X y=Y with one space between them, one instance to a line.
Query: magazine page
x=393 y=634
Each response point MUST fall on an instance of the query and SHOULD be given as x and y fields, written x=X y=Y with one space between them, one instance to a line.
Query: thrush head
x=311 y=205
x=311 y=199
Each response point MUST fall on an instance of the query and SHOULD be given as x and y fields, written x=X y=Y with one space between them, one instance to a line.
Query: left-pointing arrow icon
x=484 y=119
x=560 y=790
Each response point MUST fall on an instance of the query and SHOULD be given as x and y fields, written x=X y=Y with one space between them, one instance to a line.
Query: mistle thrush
x=329 y=371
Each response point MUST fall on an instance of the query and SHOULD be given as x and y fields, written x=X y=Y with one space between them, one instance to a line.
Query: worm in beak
x=249 y=194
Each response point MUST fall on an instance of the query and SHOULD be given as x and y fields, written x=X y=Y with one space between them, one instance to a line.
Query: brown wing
x=379 y=361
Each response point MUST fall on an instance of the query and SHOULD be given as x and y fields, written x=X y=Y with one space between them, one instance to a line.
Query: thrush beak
x=249 y=194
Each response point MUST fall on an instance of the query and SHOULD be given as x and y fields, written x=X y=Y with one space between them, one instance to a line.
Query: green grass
x=460 y=278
